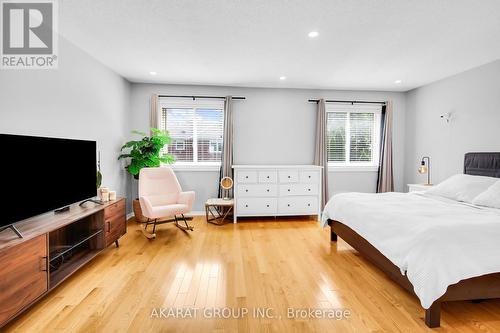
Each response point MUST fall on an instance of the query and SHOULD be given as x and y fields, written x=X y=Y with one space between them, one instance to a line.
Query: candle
x=112 y=195
x=105 y=196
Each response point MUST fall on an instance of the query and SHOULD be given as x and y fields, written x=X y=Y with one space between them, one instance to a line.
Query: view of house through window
x=196 y=128
x=353 y=134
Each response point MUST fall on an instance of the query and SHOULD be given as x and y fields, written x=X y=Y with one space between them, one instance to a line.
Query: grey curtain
x=226 y=169
x=153 y=113
x=320 y=153
x=385 y=181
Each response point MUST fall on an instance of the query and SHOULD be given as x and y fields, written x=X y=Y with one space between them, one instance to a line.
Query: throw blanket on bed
x=436 y=242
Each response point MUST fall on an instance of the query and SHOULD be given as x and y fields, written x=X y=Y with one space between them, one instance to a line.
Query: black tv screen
x=44 y=174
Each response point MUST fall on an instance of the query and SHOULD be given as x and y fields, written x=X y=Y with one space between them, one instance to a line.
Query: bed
x=437 y=249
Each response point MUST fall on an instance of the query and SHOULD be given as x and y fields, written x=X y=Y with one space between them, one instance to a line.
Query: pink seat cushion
x=169 y=210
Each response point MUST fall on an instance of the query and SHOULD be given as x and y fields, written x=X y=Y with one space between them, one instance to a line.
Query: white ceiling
x=362 y=44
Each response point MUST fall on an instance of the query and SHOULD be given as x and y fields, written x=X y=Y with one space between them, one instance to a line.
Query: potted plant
x=145 y=153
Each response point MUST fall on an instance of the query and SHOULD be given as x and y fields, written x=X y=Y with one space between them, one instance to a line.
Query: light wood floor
x=285 y=264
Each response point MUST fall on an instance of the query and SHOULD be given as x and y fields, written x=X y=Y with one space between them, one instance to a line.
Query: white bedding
x=436 y=242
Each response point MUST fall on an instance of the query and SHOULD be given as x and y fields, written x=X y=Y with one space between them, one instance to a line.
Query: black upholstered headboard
x=482 y=164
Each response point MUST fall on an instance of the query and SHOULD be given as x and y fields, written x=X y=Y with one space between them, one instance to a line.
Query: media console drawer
x=23 y=276
x=115 y=222
x=118 y=208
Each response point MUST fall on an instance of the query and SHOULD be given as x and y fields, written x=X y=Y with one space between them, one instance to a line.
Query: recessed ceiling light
x=282 y=78
x=398 y=82
x=313 y=34
x=153 y=73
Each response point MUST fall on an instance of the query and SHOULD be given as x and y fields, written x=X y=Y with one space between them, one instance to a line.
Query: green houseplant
x=145 y=153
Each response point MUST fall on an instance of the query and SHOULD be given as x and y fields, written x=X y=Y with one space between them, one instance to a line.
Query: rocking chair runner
x=161 y=196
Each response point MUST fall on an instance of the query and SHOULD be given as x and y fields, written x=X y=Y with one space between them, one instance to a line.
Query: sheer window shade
x=353 y=134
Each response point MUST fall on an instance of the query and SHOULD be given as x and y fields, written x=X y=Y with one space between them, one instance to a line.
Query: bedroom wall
x=272 y=126
x=82 y=99
x=473 y=99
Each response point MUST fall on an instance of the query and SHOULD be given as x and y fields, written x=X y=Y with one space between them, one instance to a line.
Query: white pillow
x=490 y=197
x=462 y=187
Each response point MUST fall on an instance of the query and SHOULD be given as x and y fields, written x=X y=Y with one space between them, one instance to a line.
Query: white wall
x=82 y=99
x=273 y=126
x=473 y=98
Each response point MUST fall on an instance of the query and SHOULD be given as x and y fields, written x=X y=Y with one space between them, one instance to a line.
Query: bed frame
x=477 y=288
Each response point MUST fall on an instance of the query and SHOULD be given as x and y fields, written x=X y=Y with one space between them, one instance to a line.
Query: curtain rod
x=352 y=102
x=195 y=97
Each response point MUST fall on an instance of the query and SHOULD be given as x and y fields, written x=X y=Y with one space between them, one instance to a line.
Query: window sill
x=352 y=168
x=195 y=167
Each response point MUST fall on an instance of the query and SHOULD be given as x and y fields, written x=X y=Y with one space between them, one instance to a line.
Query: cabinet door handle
x=309 y=189
x=246 y=177
x=44 y=262
x=288 y=205
x=267 y=206
x=288 y=190
x=267 y=190
x=267 y=177
x=246 y=190
x=109 y=226
x=288 y=176
x=246 y=205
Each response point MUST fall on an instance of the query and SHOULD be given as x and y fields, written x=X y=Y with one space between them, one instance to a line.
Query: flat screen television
x=43 y=174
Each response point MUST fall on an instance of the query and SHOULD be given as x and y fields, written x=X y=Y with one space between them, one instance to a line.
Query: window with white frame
x=353 y=134
x=196 y=128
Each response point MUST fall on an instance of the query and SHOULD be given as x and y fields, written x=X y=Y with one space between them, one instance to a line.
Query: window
x=196 y=128
x=353 y=135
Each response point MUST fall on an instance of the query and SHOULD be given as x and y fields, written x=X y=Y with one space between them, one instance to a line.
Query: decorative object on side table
x=226 y=184
x=145 y=153
x=425 y=168
x=219 y=210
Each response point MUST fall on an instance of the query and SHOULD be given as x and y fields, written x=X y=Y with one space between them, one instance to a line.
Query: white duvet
x=436 y=242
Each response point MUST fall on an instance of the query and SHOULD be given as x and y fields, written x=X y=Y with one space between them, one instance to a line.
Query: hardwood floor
x=276 y=264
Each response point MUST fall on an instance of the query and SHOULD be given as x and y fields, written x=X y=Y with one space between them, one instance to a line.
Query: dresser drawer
x=311 y=177
x=256 y=206
x=257 y=190
x=247 y=176
x=298 y=189
x=298 y=205
x=288 y=176
x=268 y=176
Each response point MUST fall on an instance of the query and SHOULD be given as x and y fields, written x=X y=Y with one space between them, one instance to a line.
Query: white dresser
x=276 y=190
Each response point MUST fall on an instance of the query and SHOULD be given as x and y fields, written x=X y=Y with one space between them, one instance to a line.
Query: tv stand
x=53 y=247
x=98 y=202
x=13 y=228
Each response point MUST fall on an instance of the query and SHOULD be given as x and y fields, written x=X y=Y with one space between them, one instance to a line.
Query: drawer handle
x=246 y=177
x=288 y=176
x=246 y=190
x=246 y=205
x=267 y=177
x=288 y=190
x=288 y=205
x=43 y=266
x=267 y=190
x=308 y=205
x=309 y=176
x=309 y=189
x=109 y=226
x=267 y=206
